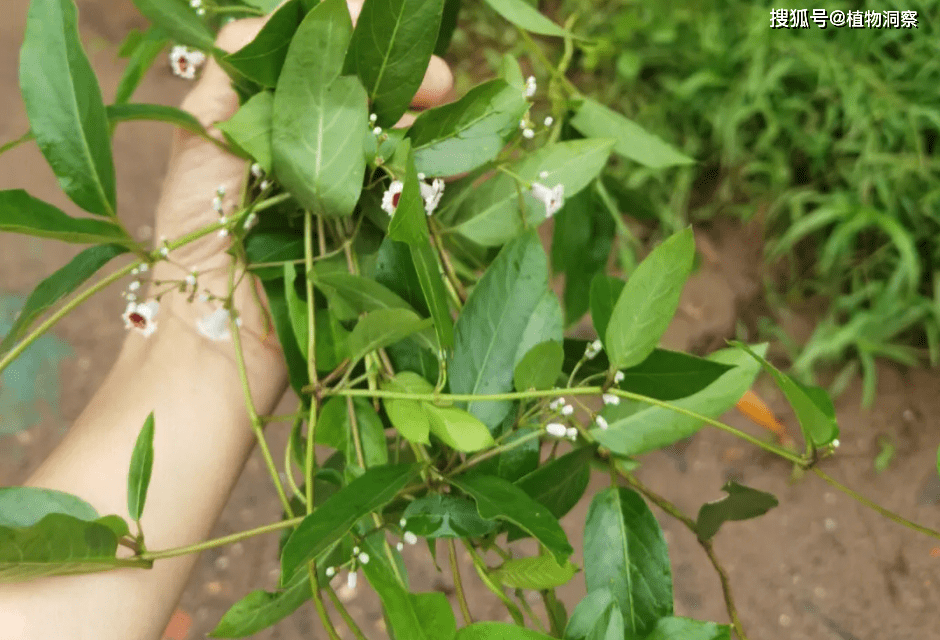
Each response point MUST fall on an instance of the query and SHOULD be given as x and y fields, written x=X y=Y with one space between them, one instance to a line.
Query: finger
x=436 y=87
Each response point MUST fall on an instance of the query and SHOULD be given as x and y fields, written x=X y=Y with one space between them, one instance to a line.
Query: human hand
x=199 y=170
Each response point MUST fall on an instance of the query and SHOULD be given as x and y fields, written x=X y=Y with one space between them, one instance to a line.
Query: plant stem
x=495 y=451
x=175 y=552
x=890 y=515
x=12 y=144
x=674 y=511
x=458 y=583
x=494 y=588
x=520 y=596
x=537 y=50
x=318 y=603
x=344 y=614
x=256 y=425
x=310 y=459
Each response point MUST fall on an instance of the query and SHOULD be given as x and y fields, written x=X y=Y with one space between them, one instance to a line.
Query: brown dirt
x=818 y=567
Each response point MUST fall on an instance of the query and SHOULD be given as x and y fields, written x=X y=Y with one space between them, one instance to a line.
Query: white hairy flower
x=552 y=197
x=141 y=317
x=217 y=204
x=184 y=62
x=530 y=86
x=556 y=429
x=391 y=197
x=431 y=193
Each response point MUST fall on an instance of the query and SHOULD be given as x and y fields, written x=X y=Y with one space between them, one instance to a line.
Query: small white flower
x=223 y=233
x=556 y=429
x=549 y=121
x=403 y=523
x=530 y=86
x=200 y=11
x=400 y=546
x=364 y=558
x=431 y=193
x=610 y=398
x=195 y=4
x=141 y=317
x=410 y=538
x=191 y=280
x=130 y=297
x=422 y=176
x=351 y=579
x=251 y=220
x=223 y=220
x=543 y=174
x=135 y=271
x=528 y=134
x=164 y=251
x=220 y=191
x=391 y=196
x=330 y=572
x=373 y=117
x=215 y=326
x=594 y=348
x=572 y=433
x=217 y=204
x=835 y=443
x=523 y=124
x=185 y=62
x=144 y=267
x=256 y=170
x=377 y=131
x=557 y=402
x=134 y=286
x=355 y=551
x=265 y=184
x=618 y=377
x=601 y=422
x=567 y=410
x=553 y=198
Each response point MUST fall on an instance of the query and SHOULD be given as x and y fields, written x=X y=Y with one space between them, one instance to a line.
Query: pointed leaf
x=605 y=290
x=498 y=631
x=525 y=16
x=588 y=612
x=335 y=517
x=361 y=294
x=448 y=26
x=250 y=128
x=652 y=427
x=22 y=213
x=498 y=499
x=649 y=301
x=493 y=323
x=296 y=363
x=178 y=20
x=64 y=105
x=138 y=479
x=672 y=628
x=408 y=416
x=381 y=328
x=141 y=58
x=633 y=142
x=390 y=50
x=458 y=429
x=610 y=625
x=57 y=286
x=22 y=507
x=812 y=405
x=540 y=367
x=670 y=375
x=537 y=573
x=438 y=515
x=559 y=484
x=261 y=59
x=296 y=309
x=741 y=503
x=335 y=430
x=158 y=113
x=262 y=609
x=491 y=217
x=466 y=134
x=320 y=119
x=395 y=270
x=435 y=295
x=410 y=222
x=625 y=552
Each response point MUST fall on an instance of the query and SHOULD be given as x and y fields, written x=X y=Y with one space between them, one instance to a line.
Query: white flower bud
x=373 y=117
x=572 y=433
x=400 y=546
x=352 y=579
x=601 y=422
x=567 y=410
x=549 y=121
x=364 y=558
x=618 y=377
x=528 y=134
x=330 y=572
x=557 y=402
x=410 y=538
x=355 y=551
x=556 y=429
x=377 y=131
x=610 y=398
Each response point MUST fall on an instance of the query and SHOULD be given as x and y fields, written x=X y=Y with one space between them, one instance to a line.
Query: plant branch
x=318 y=603
x=344 y=614
x=458 y=583
x=175 y=552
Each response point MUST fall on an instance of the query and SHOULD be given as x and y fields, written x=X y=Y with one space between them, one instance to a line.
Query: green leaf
x=59 y=544
x=319 y=118
x=545 y=325
x=490 y=217
x=296 y=363
x=741 y=503
x=559 y=484
x=605 y=290
x=261 y=59
x=670 y=375
x=511 y=72
x=390 y=50
x=517 y=461
x=466 y=134
x=150 y=45
x=610 y=625
x=625 y=552
x=648 y=301
x=537 y=573
x=408 y=416
x=498 y=499
x=653 y=427
x=411 y=616
x=540 y=367
x=57 y=286
x=335 y=517
x=361 y=294
x=588 y=612
x=177 y=19
x=439 y=515
x=22 y=213
x=138 y=479
x=296 y=309
x=498 y=631
x=116 y=524
x=493 y=323
x=22 y=507
x=410 y=222
x=812 y=405
x=435 y=295
x=250 y=128
x=157 y=112
x=383 y=327
x=527 y=17
x=458 y=429
x=394 y=269
x=64 y=105
x=262 y=609
x=671 y=628
x=633 y=142
x=448 y=26
x=335 y=430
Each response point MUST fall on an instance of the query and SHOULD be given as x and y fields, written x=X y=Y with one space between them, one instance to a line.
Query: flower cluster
x=197 y=6
x=185 y=62
x=430 y=193
x=559 y=430
x=352 y=577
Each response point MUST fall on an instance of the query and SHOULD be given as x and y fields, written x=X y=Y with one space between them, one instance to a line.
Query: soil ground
x=820 y=566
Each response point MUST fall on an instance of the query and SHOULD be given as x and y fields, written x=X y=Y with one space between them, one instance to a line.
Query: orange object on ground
x=757 y=411
x=179 y=626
